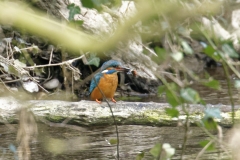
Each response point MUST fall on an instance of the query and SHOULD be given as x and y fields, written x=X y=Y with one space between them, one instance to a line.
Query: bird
x=106 y=81
x=112 y=64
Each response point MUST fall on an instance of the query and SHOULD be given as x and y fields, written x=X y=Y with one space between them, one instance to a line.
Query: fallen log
x=89 y=113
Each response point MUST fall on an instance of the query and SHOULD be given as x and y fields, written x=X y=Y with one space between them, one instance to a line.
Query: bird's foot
x=98 y=101
x=114 y=100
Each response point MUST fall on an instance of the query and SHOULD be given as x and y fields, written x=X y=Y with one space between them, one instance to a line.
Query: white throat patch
x=105 y=71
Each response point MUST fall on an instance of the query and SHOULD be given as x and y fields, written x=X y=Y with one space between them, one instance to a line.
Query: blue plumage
x=110 y=63
x=97 y=78
x=95 y=82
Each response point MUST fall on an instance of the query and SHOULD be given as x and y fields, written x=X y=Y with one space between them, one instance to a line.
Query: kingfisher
x=106 y=80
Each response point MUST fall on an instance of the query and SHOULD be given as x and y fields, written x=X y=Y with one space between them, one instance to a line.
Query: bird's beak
x=127 y=70
x=122 y=69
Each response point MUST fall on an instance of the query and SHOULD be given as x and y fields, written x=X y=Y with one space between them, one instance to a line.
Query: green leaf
x=202 y=102
x=210 y=124
x=237 y=83
x=155 y=151
x=178 y=56
x=190 y=95
x=140 y=156
x=161 y=89
x=227 y=49
x=113 y=141
x=173 y=112
x=73 y=10
x=87 y=3
x=97 y=4
x=171 y=99
x=79 y=22
x=208 y=119
x=186 y=48
x=206 y=75
x=211 y=52
x=171 y=95
x=93 y=60
x=211 y=147
x=162 y=54
x=213 y=84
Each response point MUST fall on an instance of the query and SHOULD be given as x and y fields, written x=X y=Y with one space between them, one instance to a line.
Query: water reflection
x=133 y=140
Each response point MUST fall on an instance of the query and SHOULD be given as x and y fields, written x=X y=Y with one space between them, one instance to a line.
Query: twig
x=114 y=120
x=63 y=15
x=229 y=90
x=204 y=149
x=6 y=86
x=28 y=48
x=220 y=137
x=50 y=59
x=42 y=88
x=186 y=130
x=128 y=7
x=169 y=88
x=55 y=64
x=111 y=12
x=72 y=82
x=150 y=50
x=176 y=80
x=230 y=63
x=222 y=145
x=15 y=80
x=10 y=48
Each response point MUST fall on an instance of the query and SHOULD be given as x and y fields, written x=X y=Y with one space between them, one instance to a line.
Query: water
x=210 y=96
x=93 y=143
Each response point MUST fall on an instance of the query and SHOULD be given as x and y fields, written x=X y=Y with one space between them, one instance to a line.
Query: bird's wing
x=95 y=82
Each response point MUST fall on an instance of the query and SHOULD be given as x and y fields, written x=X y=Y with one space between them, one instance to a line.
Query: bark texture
x=88 y=113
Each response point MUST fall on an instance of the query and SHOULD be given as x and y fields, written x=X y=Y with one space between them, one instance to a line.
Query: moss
x=237 y=114
x=147 y=117
x=56 y=119
x=227 y=119
x=153 y=117
x=12 y=120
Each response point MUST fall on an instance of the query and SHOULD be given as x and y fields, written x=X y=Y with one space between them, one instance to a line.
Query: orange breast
x=108 y=84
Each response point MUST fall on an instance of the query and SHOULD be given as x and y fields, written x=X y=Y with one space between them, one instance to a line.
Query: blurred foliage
x=37 y=23
x=97 y=4
x=73 y=10
x=162 y=151
x=156 y=150
x=93 y=60
x=204 y=143
x=140 y=156
x=190 y=95
x=168 y=26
